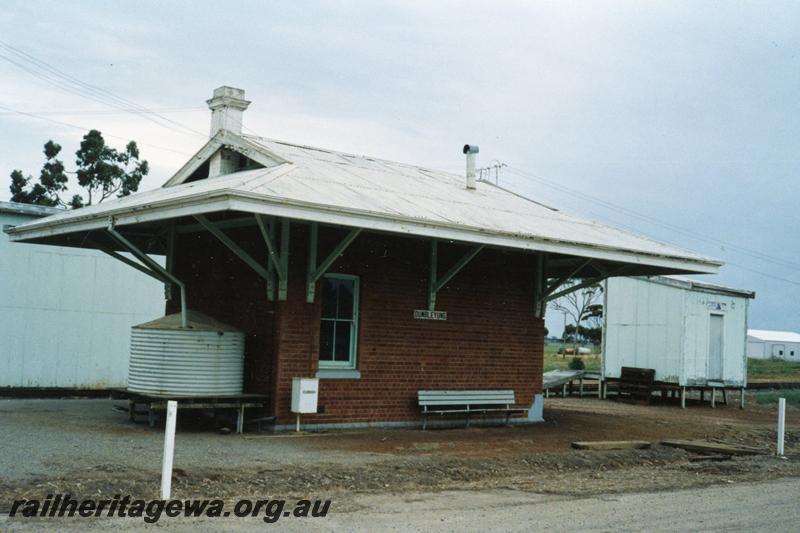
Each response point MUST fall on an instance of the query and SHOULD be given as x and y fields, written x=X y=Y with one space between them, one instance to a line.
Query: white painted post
x=781 y=424
x=169 y=449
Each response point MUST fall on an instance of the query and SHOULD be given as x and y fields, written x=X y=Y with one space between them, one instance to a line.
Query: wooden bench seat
x=636 y=384
x=445 y=402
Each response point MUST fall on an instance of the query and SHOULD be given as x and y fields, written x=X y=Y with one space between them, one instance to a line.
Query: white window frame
x=352 y=361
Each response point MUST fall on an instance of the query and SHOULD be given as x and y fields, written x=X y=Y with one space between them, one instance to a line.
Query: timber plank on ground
x=611 y=445
x=704 y=446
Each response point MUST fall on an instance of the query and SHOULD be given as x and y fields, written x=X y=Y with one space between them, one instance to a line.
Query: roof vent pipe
x=470 y=150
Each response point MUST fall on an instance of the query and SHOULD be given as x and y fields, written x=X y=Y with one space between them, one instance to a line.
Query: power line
x=678 y=229
x=585 y=196
x=754 y=271
x=80 y=112
x=78 y=92
x=74 y=85
x=69 y=125
x=50 y=74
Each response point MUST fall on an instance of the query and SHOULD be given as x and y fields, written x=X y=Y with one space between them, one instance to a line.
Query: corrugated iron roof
x=774 y=336
x=704 y=286
x=28 y=209
x=336 y=187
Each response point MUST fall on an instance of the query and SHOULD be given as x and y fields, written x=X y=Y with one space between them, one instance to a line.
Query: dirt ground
x=532 y=458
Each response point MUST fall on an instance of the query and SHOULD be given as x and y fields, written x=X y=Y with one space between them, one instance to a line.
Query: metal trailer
x=693 y=334
x=65 y=313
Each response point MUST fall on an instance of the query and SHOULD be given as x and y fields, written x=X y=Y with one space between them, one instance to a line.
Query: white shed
x=66 y=313
x=763 y=344
x=690 y=332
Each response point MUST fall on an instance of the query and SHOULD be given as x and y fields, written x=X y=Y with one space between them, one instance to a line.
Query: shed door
x=715 y=347
x=778 y=350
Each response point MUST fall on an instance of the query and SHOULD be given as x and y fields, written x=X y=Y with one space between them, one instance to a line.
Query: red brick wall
x=490 y=338
x=221 y=286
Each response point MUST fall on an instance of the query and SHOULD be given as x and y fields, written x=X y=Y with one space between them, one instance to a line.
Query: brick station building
x=379 y=278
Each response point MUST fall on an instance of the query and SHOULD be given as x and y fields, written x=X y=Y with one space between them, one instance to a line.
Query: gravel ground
x=765 y=506
x=55 y=436
x=84 y=447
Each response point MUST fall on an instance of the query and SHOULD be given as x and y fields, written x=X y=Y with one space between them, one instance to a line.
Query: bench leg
x=508 y=415
x=424 y=421
x=131 y=411
x=580 y=388
x=741 y=399
x=713 y=397
x=724 y=397
x=467 y=420
x=683 y=397
x=151 y=416
x=564 y=390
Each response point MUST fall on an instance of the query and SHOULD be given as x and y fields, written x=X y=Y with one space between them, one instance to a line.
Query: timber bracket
x=435 y=284
x=317 y=271
x=146 y=265
x=277 y=262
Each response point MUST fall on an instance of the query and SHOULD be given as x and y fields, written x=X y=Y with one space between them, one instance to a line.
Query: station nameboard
x=425 y=314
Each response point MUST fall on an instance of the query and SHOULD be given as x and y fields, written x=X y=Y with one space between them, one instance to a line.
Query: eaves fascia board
x=275 y=206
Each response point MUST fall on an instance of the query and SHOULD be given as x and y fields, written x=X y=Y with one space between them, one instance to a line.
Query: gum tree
x=101 y=171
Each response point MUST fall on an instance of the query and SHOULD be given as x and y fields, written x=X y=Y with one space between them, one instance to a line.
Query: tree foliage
x=101 y=171
x=581 y=306
x=593 y=335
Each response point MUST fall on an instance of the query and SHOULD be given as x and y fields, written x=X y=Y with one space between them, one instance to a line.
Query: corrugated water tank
x=204 y=359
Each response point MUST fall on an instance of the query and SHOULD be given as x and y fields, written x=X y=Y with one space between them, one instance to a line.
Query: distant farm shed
x=65 y=313
x=690 y=332
x=763 y=344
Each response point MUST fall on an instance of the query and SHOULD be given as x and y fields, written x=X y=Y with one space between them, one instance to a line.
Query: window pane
x=329 y=298
x=342 y=341
x=345 y=293
x=326 y=333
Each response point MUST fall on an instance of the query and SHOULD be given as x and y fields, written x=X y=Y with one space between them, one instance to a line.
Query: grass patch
x=773 y=369
x=554 y=361
x=792 y=397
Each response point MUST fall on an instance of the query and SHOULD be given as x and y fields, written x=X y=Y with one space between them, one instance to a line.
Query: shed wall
x=756 y=349
x=759 y=349
x=699 y=308
x=643 y=328
x=66 y=313
x=652 y=325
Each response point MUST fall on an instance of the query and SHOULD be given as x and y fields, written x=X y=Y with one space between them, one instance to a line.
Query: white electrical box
x=304 y=395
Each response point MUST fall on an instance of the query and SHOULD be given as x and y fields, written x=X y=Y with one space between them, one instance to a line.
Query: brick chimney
x=227 y=107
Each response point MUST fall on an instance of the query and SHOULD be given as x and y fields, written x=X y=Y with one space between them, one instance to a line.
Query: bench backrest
x=636 y=375
x=465 y=397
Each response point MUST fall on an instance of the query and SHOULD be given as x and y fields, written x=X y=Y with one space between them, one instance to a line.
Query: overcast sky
x=679 y=120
